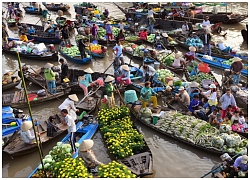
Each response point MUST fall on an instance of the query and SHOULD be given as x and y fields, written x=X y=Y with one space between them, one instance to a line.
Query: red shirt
x=143 y=35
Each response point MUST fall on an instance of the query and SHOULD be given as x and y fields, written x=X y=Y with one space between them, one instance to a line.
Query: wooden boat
x=47 y=56
x=178 y=138
x=82 y=133
x=182 y=42
x=17 y=99
x=77 y=59
x=11 y=85
x=32 y=10
x=41 y=36
x=218 y=63
x=56 y=7
x=17 y=147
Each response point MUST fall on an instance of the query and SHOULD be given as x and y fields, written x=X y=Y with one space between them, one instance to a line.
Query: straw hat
x=192 y=48
x=89 y=70
x=194 y=84
x=236 y=59
x=165 y=35
x=73 y=97
x=125 y=67
x=244 y=159
x=220 y=41
x=181 y=88
x=86 y=144
x=178 y=54
x=109 y=78
x=212 y=86
x=26 y=125
x=48 y=65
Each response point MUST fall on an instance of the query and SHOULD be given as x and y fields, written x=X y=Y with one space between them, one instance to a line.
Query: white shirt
x=118 y=50
x=177 y=62
x=150 y=13
x=221 y=46
x=67 y=104
x=150 y=71
x=185 y=28
x=205 y=23
x=212 y=97
x=121 y=26
x=70 y=123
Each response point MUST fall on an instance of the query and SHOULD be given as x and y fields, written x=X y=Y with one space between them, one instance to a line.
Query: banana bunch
x=157 y=9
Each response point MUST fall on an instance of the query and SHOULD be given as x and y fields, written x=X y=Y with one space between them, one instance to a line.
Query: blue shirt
x=31 y=31
x=193 y=105
x=118 y=50
x=144 y=96
x=241 y=166
x=87 y=80
x=226 y=101
x=108 y=29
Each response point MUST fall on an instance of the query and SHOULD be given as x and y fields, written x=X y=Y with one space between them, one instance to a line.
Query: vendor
x=109 y=32
x=120 y=36
x=27 y=134
x=178 y=60
x=69 y=105
x=191 y=54
x=31 y=30
x=23 y=38
x=124 y=78
x=148 y=73
x=165 y=38
x=148 y=95
x=185 y=28
x=240 y=165
x=182 y=97
x=236 y=68
x=211 y=95
x=106 y=12
x=7 y=77
x=193 y=89
x=206 y=22
x=110 y=89
x=143 y=34
x=84 y=81
x=222 y=47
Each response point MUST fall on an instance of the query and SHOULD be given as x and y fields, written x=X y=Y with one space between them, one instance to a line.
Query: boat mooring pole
x=28 y=103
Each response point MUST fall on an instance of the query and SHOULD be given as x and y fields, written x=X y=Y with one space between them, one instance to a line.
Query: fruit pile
x=72 y=51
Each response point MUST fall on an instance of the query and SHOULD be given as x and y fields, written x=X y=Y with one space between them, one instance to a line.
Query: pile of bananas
x=157 y=9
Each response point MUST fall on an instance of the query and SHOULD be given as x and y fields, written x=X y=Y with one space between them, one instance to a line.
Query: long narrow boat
x=17 y=147
x=83 y=133
x=11 y=85
x=32 y=10
x=56 y=7
x=177 y=129
x=218 y=63
x=17 y=99
x=77 y=58
x=41 y=36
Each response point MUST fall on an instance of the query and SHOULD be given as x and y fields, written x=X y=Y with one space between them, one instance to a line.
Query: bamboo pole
x=29 y=107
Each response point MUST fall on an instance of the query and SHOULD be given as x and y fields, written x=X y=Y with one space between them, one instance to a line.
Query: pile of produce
x=101 y=33
x=117 y=128
x=95 y=48
x=114 y=170
x=11 y=20
x=243 y=94
x=201 y=76
x=200 y=133
x=156 y=9
x=135 y=49
x=115 y=31
x=72 y=51
x=151 y=38
x=162 y=57
x=197 y=42
x=132 y=38
x=163 y=74
x=78 y=37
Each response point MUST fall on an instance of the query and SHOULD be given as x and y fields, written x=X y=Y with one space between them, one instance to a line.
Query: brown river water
x=172 y=159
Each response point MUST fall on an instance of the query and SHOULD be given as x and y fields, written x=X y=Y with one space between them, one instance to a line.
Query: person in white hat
x=69 y=104
x=193 y=88
x=178 y=60
x=110 y=89
x=211 y=96
x=87 y=154
x=84 y=81
x=70 y=122
x=124 y=78
x=7 y=76
x=206 y=39
x=50 y=78
x=240 y=165
x=223 y=47
x=236 y=68
x=191 y=54
x=27 y=134
x=166 y=39
x=182 y=97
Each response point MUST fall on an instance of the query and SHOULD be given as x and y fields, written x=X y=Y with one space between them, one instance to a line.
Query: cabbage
x=59 y=143
x=77 y=145
x=217 y=142
x=68 y=150
x=225 y=128
x=40 y=167
x=233 y=140
x=145 y=112
x=48 y=160
x=47 y=165
x=48 y=156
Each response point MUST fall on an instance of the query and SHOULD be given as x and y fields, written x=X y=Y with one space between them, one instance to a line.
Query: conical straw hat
x=86 y=144
x=125 y=67
x=109 y=78
x=26 y=125
x=48 y=65
x=89 y=70
x=73 y=97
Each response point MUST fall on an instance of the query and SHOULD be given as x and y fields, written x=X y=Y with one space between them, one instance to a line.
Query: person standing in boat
x=110 y=89
x=124 y=77
x=87 y=154
x=120 y=37
x=50 y=78
x=70 y=122
x=121 y=25
x=94 y=31
x=106 y=12
x=109 y=32
x=226 y=100
x=151 y=20
x=82 y=48
x=65 y=35
x=206 y=22
x=164 y=14
x=69 y=105
x=45 y=14
x=206 y=39
x=86 y=80
x=118 y=51
x=236 y=68
x=64 y=69
x=148 y=95
x=211 y=95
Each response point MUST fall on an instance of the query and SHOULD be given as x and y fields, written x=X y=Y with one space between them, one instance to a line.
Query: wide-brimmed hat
x=244 y=159
x=125 y=67
x=178 y=54
x=26 y=125
x=109 y=78
x=48 y=65
x=236 y=59
x=89 y=70
x=86 y=144
x=192 y=48
x=212 y=86
x=194 y=84
x=164 y=34
x=73 y=97
x=181 y=88
x=6 y=71
x=220 y=41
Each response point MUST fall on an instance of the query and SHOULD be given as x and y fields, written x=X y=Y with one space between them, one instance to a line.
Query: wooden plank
x=15 y=97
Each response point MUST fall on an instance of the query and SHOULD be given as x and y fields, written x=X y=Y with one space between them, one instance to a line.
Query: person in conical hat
x=50 y=77
x=87 y=154
x=69 y=104
x=191 y=54
x=86 y=80
x=223 y=47
x=236 y=68
x=193 y=89
x=124 y=78
x=27 y=135
x=178 y=60
x=7 y=76
x=110 y=89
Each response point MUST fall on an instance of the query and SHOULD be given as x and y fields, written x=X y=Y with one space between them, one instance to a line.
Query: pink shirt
x=237 y=128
